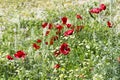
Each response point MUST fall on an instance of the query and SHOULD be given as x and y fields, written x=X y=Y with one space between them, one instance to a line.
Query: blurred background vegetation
x=10 y=9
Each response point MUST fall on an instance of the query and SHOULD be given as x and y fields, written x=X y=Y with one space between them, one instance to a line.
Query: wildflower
x=95 y=10
x=56 y=53
x=64 y=20
x=9 y=57
x=57 y=66
x=102 y=6
x=81 y=76
x=51 y=42
x=59 y=27
x=68 y=32
x=109 y=24
x=55 y=38
x=38 y=41
x=64 y=49
x=20 y=54
x=36 y=46
x=78 y=16
x=50 y=26
x=47 y=32
x=68 y=25
x=46 y=43
x=44 y=24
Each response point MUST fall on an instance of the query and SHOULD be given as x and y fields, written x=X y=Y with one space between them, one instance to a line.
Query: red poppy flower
x=95 y=10
x=78 y=16
x=68 y=25
x=57 y=66
x=38 y=41
x=20 y=54
x=102 y=6
x=68 y=32
x=64 y=20
x=50 y=26
x=36 y=46
x=109 y=24
x=64 y=49
x=44 y=24
x=47 y=32
x=9 y=57
x=59 y=27
x=56 y=53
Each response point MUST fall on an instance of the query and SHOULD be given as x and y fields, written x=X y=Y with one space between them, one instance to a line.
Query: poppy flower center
x=65 y=48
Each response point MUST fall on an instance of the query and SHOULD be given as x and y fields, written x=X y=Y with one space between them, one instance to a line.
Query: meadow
x=59 y=40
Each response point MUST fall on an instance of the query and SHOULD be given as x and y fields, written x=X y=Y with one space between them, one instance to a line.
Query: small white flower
x=87 y=46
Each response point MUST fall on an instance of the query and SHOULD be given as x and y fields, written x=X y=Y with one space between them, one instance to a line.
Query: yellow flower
x=62 y=69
